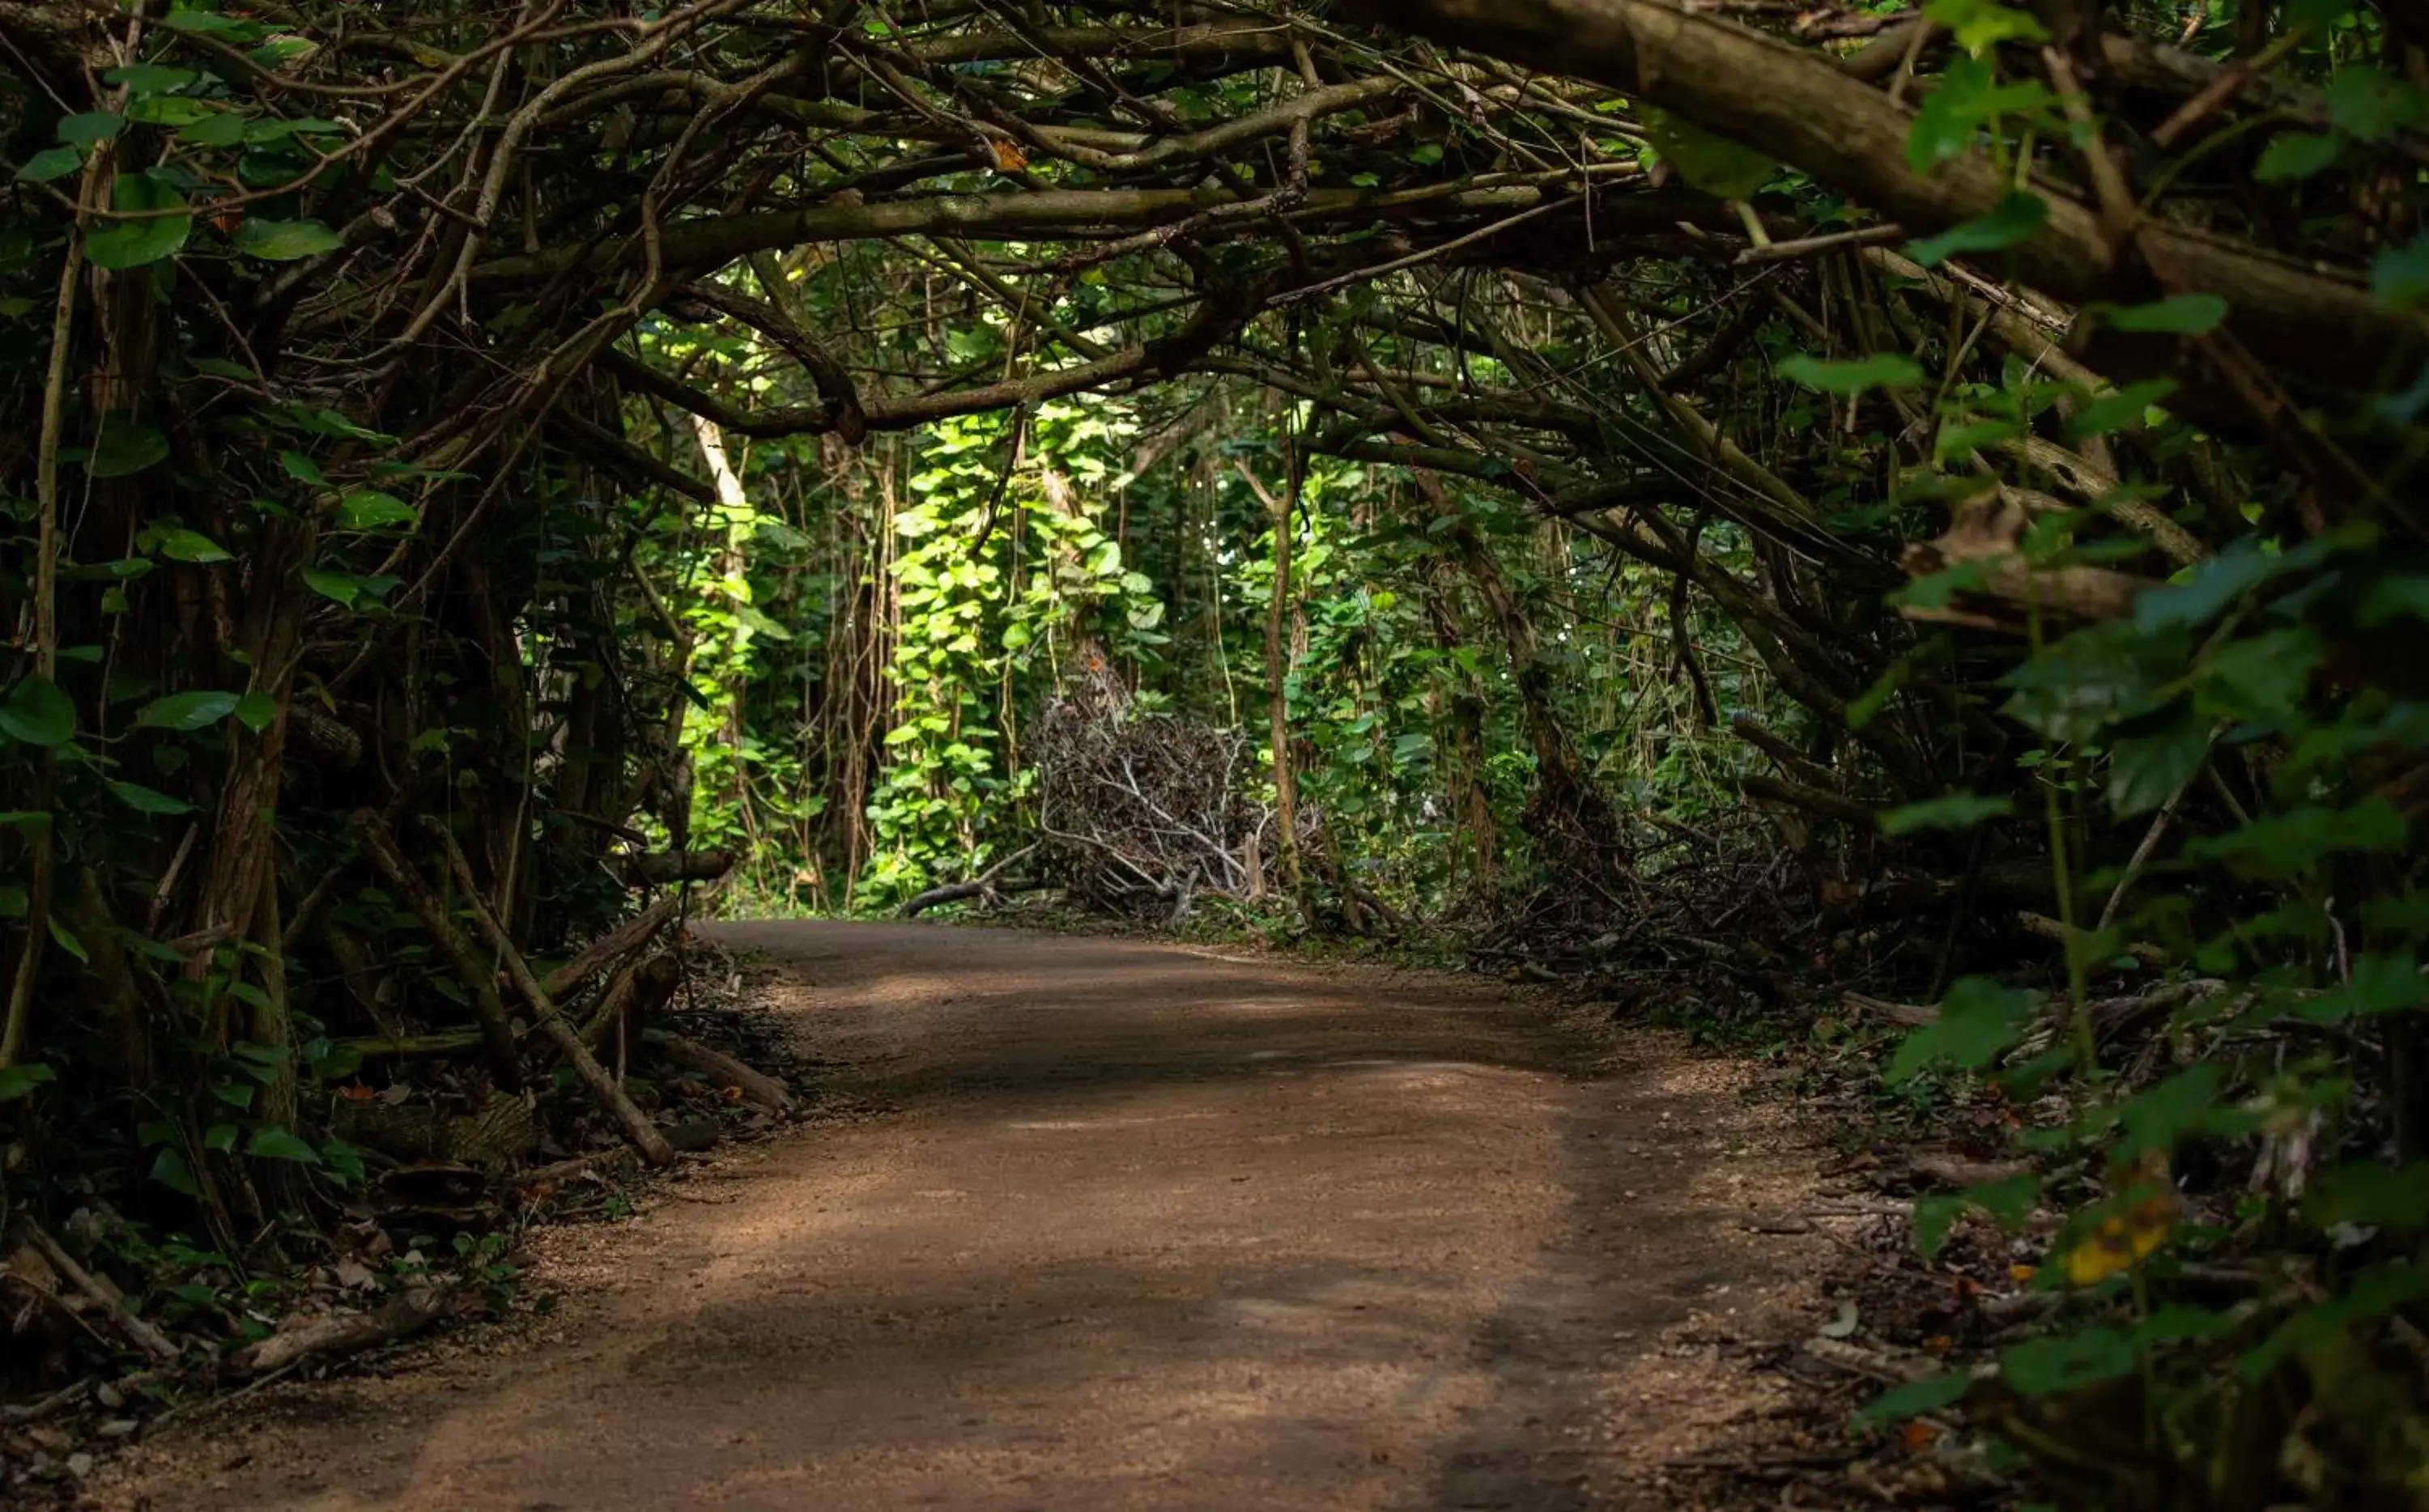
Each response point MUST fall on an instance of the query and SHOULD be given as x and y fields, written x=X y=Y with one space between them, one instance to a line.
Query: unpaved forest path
x=1128 y=1226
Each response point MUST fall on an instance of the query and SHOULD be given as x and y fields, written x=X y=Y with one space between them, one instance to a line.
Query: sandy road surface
x=1135 y=1228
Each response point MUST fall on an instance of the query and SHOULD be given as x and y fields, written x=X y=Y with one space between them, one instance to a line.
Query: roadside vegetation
x=1850 y=524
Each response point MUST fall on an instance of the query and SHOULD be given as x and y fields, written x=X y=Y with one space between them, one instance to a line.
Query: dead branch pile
x=1699 y=903
x=1140 y=814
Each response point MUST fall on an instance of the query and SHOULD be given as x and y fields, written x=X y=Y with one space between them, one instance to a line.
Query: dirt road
x=1134 y=1226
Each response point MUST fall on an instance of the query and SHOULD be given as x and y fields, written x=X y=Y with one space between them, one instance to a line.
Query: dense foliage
x=467 y=466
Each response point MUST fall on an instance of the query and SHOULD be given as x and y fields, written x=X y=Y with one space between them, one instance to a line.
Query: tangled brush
x=1141 y=813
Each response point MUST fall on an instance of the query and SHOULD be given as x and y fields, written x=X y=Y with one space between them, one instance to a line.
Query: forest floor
x=1097 y=1223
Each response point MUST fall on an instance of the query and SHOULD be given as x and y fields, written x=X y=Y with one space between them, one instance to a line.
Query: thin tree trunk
x=1277 y=680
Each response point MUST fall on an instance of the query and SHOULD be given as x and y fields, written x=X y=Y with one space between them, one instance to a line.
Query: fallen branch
x=637 y=992
x=673 y=867
x=350 y=1334
x=1906 y=1015
x=2050 y=929
x=496 y=1034
x=143 y=1335
x=963 y=892
x=411 y=1046
x=722 y=1070
x=561 y=1171
x=613 y=946
x=985 y=884
x=634 y=1124
x=1811 y=799
x=41 y=1407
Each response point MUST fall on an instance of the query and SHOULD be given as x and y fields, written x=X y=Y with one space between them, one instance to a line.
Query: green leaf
x=150 y=78
x=1710 y=162
x=347 y=589
x=1968 y=99
x=2399 y=279
x=2373 y=1195
x=1916 y=1398
x=2128 y=406
x=2286 y=845
x=2040 y=1367
x=759 y=624
x=2160 y=1118
x=277 y=1144
x=2008 y=1201
x=179 y=544
x=36 y=713
x=2372 y=104
x=2180 y=1323
x=16 y=1081
x=145 y=800
x=1951 y=810
x=188 y=711
x=1885 y=369
x=368 y=509
x=2296 y=155
x=2371 y=1295
x=1979 y=1020
x=2216 y=583
x=2099 y=675
x=1934 y=1214
x=67 y=940
x=2261 y=678
x=254 y=711
x=2145 y=770
x=336 y=1063
x=2385 y=981
x=303 y=468
x=167 y=224
x=224 y=128
x=90 y=127
x=230 y=29
x=2177 y=315
x=127 y=449
x=2015 y=219
x=169 y=1169
x=284 y=240
x=2316 y=17
x=51 y=163
x=170 y=110
x=1979 y=26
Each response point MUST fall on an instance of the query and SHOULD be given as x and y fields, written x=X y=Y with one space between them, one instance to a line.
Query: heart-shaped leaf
x=158 y=225
x=36 y=713
x=284 y=240
x=188 y=711
x=55 y=162
x=126 y=450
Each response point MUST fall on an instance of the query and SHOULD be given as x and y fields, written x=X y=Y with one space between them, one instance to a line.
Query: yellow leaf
x=2119 y=1242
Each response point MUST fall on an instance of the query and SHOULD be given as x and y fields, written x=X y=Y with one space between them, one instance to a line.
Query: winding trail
x=1125 y=1226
